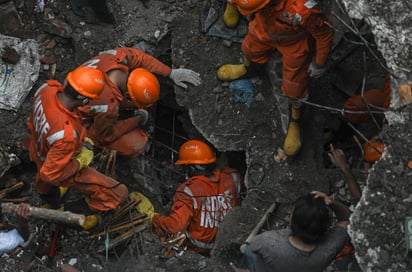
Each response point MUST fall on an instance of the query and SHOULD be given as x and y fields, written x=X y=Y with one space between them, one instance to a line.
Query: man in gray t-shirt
x=272 y=251
x=308 y=245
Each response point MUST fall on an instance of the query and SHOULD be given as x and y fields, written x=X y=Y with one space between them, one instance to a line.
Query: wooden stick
x=136 y=221
x=131 y=205
x=122 y=237
x=128 y=219
x=10 y=189
x=257 y=227
x=15 y=200
x=56 y=216
x=128 y=225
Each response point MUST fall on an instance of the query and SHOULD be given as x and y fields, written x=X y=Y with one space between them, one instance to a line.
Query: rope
x=356 y=31
x=332 y=109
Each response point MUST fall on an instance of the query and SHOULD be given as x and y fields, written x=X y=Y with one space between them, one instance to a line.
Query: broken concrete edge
x=17 y=80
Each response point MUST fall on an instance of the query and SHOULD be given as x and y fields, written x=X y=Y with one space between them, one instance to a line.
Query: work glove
x=179 y=76
x=316 y=70
x=145 y=206
x=144 y=116
x=85 y=157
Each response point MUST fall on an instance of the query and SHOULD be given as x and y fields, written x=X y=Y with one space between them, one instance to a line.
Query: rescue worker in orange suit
x=59 y=146
x=377 y=99
x=128 y=72
x=200 y=203
x=300 y=32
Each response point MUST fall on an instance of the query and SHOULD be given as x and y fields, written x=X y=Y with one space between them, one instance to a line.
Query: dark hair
x=201 y=169
x=70 y=91
x=310 y=219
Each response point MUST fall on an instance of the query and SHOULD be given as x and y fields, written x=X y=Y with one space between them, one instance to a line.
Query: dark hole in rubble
x=366 y=71
x=170 y=126
x=173 y=127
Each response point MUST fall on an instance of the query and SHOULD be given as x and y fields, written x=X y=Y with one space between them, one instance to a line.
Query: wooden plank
x=57 y=216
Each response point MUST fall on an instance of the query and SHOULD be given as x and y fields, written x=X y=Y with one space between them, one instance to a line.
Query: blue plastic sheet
x=242 y=91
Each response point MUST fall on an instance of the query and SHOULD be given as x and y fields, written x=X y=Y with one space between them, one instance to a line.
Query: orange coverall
x=199 y=206
x=373 y=97
x=57 y=137
x=291 y=27
x=103 y=125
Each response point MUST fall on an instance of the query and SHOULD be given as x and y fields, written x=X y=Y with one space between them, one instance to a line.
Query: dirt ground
x=246 y=138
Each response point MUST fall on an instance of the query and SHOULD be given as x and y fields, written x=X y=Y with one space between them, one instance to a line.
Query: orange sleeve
x=323 y=35
x=179 y=217
x=60 y=163
x=137 y=58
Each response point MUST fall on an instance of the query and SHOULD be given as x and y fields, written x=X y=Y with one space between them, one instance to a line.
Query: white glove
x=316 y=70
x=179 y=76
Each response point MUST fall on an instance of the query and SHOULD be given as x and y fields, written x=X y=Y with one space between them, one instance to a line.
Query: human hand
x=328 y=200
x=144 y=116
x=337 y=157
x=316 y=70
x=179 y=76
x=23 y=210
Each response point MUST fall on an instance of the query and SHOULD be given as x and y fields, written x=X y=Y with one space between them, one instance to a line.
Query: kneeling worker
x=201 y=202
x=59 y=146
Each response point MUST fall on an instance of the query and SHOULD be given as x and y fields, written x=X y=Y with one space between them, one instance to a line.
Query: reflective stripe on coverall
x=57 y=137
x=291 y=27
x=199 y=206
x=101 y=114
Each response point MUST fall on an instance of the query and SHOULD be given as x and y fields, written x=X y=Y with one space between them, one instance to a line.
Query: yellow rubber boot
x=90 y=222
x=231 y=15
x=229 y=72
x=293 y=142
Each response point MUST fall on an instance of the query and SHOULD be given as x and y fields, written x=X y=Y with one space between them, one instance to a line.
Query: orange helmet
x=247 y=7
x=87 y=81
x=143 y=87
x=370 y=153
x=195 y=152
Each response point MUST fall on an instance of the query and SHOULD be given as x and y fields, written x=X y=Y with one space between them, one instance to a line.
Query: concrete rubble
x=250 y=136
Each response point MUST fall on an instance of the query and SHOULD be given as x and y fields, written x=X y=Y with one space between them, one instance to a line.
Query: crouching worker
x=376 y=100
x=59 y=147
x=130 y=81
x=309 y=245
x=201 y=202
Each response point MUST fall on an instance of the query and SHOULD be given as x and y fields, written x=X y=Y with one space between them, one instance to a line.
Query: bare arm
x=337 y=157
x=23 y=213
x=341 y=211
